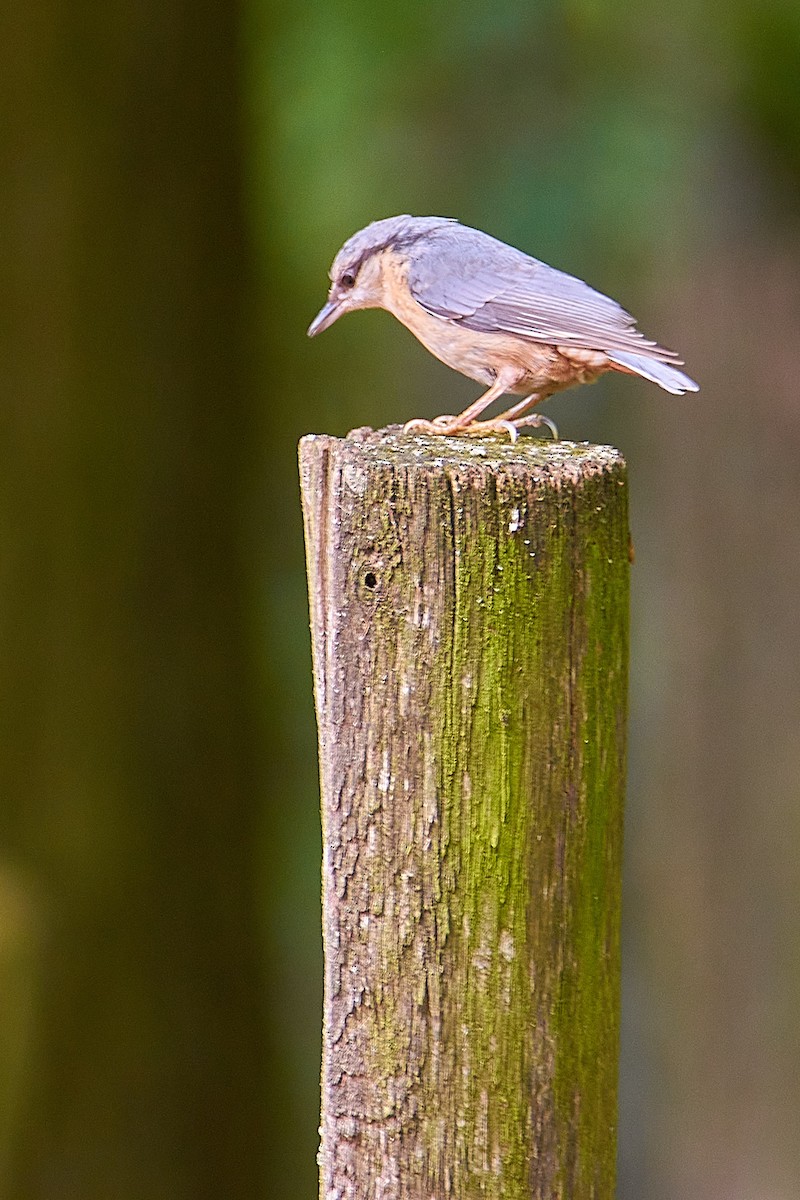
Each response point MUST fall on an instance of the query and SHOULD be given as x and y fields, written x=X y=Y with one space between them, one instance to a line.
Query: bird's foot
x=493 y=425
x=453 y=426
x=536 y=421
x=439 y=425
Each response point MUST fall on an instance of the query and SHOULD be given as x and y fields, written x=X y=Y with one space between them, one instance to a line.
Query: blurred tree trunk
x=127 y=875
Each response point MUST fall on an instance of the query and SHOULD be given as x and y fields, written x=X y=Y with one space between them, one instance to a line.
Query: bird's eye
x=347 y=280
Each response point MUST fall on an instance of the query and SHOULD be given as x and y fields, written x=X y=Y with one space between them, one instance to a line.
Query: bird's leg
x=511 y=421
x=506 y=423
x=464 y=422
x=514 y=415
x=521 y=406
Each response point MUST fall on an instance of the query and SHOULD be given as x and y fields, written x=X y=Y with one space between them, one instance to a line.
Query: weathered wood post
x=469 y=615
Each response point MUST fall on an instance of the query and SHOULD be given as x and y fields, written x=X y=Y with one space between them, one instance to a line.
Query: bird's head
x=357 y=273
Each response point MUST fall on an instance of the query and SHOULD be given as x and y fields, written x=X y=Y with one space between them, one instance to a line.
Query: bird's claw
x=479 y=428
x=536 y=420
x=444 y=425
x=420 y=425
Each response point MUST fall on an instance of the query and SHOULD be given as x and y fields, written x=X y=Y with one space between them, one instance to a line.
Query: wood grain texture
x=469 y=614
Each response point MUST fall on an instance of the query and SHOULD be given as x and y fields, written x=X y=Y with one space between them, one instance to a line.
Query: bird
x=492 y=312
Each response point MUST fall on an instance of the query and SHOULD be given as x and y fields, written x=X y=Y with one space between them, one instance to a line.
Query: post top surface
x=390 y=446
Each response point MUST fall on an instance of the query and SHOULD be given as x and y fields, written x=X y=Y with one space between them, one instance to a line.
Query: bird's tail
x=664 y=374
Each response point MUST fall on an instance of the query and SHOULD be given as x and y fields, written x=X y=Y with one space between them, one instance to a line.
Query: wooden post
x=469 y=615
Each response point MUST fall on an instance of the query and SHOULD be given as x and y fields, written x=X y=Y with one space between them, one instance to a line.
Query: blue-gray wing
x=470 y=278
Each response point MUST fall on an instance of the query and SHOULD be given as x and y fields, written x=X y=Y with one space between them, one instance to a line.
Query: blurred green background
x=175 y=181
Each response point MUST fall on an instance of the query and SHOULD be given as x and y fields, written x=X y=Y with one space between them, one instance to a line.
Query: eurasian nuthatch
x=493 y=313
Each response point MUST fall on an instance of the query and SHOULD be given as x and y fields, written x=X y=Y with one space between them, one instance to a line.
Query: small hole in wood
x=370 y=580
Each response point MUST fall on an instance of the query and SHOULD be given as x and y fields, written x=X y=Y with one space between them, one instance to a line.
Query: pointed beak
x=325 y=317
